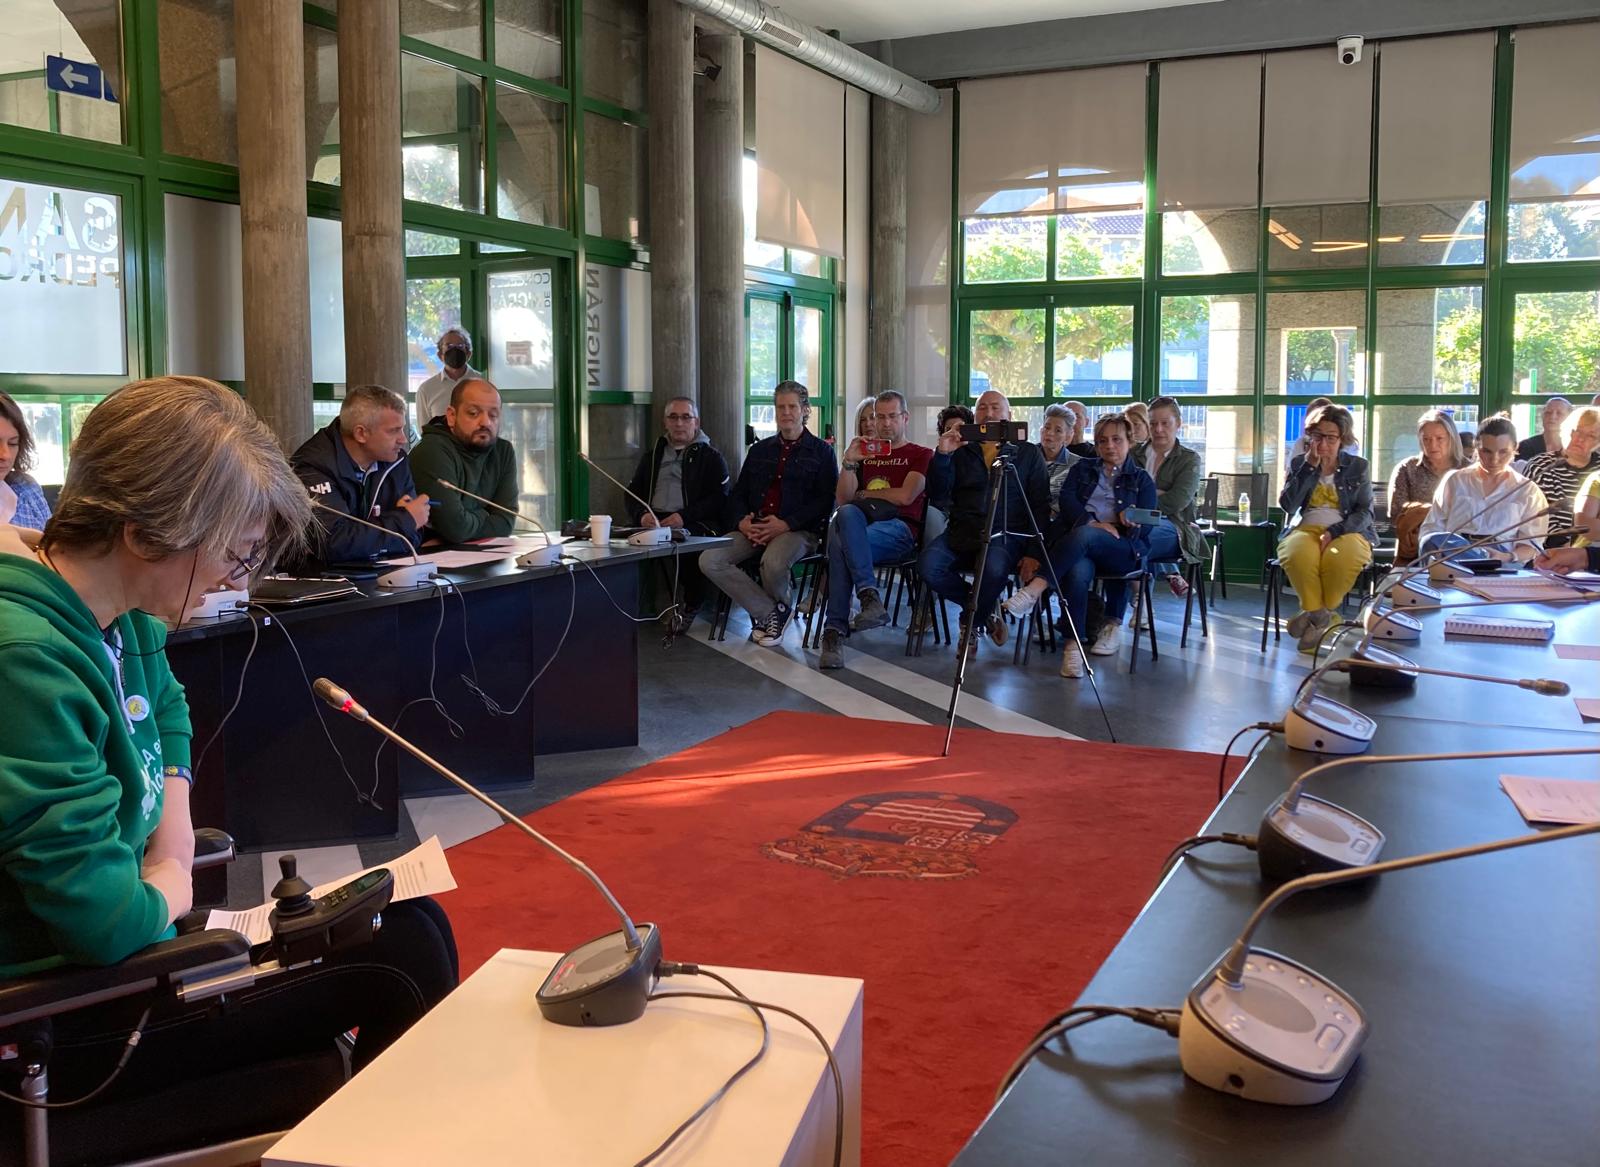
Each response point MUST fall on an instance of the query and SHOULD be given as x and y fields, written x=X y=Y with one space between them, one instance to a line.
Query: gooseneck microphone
x=607 y=981
x=1269 y=1029
x=1541 y=685
x=650 y=539
x=544 y=557
x=397 y=579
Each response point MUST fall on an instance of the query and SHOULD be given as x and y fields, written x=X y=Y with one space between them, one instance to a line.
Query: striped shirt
x=1559 y=480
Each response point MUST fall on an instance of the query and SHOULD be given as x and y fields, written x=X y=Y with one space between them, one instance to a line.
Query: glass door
x=524 y=358
x=788 y=337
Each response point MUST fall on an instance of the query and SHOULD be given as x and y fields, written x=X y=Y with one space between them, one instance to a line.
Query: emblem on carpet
x=911 y=834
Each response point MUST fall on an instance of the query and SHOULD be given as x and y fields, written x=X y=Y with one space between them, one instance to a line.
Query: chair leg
x=818 y=615
x=1188 y=604
x=1150 y=614
x=1266 y=608
x=1205 y=628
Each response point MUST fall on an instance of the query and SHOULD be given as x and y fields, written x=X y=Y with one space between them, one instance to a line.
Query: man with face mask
x=433 y=395
x=464 y=447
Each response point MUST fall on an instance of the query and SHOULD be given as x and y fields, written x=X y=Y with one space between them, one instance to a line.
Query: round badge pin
x=138 y=708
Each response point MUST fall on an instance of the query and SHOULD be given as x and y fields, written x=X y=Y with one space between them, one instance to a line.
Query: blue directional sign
x=64 y=75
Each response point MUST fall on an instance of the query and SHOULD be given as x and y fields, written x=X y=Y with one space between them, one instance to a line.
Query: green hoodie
x=83 y=754
x=491 y=473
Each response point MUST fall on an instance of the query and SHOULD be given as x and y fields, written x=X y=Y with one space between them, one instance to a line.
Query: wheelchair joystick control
x=292 y=893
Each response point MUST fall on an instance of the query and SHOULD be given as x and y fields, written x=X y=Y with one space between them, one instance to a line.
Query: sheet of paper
x=1588 y=707
x=449 y=559
x=422 y=871
x=1553 y=800
x=1531 y=588
x=516 y=543
x=1578 y=651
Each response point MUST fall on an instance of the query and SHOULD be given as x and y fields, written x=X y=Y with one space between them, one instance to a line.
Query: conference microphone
x=1301 y=834
x=416 y=574
x=1269 y=1029
x=1539 y=685
x=607 y=981
x=648 y=536
x=1425 y=559
x=545 y=556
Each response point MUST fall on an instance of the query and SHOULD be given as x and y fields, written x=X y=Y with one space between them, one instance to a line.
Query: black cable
x=454 y=726
x=1271 y=728
x=493 y=706
x=1165 y=1020
x=116 y=1071
x=244 y=670
x=1175 y=856
x=668 y=968
x=636 y=619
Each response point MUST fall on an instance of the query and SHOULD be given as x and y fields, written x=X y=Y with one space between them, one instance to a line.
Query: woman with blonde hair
x=1138 y=415
x=1560 y=474
x=1413 y=482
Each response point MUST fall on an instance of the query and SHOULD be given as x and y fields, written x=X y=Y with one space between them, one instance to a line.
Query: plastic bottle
x=1244 y=509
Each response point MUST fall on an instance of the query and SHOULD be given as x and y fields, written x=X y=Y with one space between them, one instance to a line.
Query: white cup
x=599 y=528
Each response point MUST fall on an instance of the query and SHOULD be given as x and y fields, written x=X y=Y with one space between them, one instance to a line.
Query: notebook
x=1500 y=627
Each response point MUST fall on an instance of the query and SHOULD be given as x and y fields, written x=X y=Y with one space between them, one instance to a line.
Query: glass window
x=1006 y=351
x=83 y=51
x=617 y=329
x=617 y=435
x=1435 y=233
x=61 y=294
x=1557 y=344
x=763 y=345
x=1208 y=344
x=997 y=251
x=322 y=104
x=1300 y=238
x=424 y=243
x=756 y=253
x=614 y=51
x=616 y=175
x=1208 y=242
x=1094 y=352
x=198 y=64
x=1208 y=163
x=1316 y=343
x=441 y=125
x=521 y=331
x=456 y=25
x=1430 y=340
x=1555 y=144
x=807 y=349
x=805 y=263
x=530 y=428
x=53 y=424
x=527 y=38
x=432 y=305
x=1102 y=243
x=1223 y=436
x=531 y=143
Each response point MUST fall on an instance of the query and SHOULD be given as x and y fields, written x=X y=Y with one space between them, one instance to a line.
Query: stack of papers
x=1529 y=588
x=1553 y=800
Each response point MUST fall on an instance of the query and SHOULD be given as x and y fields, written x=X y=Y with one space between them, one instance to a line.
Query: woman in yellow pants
x=1331 y=493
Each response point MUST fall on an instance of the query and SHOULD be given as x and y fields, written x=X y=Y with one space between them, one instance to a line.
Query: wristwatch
x=853 y=467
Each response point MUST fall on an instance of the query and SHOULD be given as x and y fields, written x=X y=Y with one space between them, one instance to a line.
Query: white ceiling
x=870 y=20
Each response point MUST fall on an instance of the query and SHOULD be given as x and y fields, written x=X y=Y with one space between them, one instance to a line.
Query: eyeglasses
x=680 y=417
x=1318 y=436
x=249 y=565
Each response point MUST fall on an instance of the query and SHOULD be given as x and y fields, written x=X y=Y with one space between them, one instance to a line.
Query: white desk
x=484 y=1080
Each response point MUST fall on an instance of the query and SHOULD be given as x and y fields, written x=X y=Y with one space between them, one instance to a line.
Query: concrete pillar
x=886 y=303
x=372 y=178
x=672 y=218
x=719 y=227
x=272 y=210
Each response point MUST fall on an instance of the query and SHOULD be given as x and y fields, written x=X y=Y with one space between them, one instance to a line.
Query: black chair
x=1194 y=574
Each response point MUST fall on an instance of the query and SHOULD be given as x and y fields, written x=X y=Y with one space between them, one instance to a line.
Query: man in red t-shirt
x=881 y=507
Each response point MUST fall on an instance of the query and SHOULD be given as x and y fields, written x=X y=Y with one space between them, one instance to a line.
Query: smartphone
x=1142 y=516
x=995 y=431
x=876 y=447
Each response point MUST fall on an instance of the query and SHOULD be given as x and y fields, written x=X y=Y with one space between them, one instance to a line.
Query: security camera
x=1350 y=49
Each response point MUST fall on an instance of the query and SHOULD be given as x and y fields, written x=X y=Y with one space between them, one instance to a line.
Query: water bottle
x=1244 y=509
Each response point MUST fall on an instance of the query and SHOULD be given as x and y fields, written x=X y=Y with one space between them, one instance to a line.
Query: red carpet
x=1018 y=860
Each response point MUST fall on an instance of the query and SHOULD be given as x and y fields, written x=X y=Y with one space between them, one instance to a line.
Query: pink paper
x=1588 y=707
x=1578 y=651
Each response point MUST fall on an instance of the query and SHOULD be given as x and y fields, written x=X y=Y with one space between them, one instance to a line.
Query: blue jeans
x=854 y=547
x=1165 y=553
x=1077 y=558
x=941 y=567
x=1444 y=539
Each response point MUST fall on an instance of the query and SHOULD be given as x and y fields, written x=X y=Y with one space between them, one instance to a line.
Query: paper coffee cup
x=599 y=528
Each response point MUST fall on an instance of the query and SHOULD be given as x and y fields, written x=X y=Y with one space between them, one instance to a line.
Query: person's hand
x=672 y=520
x=648 y=519
x=1108 y=528
x=770 y=528
x=950 y=441
x=1323 y=540
x=1562 y=560
x=747 y=528
x=417 y=508
x=1027 y=568
x=854 y=452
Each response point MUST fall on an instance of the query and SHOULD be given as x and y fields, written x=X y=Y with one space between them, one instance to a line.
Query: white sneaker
x=1105 y=644
x=1072 y=664
x=1021 y=602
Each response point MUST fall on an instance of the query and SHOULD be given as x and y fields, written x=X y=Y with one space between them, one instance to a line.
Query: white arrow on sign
x=71 y=76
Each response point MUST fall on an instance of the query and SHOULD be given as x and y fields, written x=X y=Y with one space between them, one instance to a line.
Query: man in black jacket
x=964 y=468
x=779 y=508
x=355 y=465
x=683 y=477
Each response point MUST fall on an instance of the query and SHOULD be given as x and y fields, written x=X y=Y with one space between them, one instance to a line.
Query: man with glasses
x=356 y=466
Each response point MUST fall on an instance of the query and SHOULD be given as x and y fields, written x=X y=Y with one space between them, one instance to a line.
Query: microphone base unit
x=1321 y=725
x=1412 y=593
x=651 y=537
x=215 y=605
x=546 y=556
x=1393 y=678
x=1392 y=624
x=411 y=575
x=603 y=982
x=1284 y=1035
x=1315 y=836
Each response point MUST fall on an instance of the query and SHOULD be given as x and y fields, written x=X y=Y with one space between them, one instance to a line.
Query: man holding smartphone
x=880 y=512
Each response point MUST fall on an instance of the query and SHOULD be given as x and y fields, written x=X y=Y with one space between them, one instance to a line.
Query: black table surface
x=1480 y=979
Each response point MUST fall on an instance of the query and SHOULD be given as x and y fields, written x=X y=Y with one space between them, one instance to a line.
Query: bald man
x=465 y=447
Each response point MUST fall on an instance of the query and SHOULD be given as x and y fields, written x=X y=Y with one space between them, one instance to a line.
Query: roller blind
x=1555 y=113
x=1317 y=145
x=1435 y=113
x=1052 y=141
x=1209 y=154
x=799 y=155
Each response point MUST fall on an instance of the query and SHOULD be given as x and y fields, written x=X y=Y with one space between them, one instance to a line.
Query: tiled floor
x=1192 y=698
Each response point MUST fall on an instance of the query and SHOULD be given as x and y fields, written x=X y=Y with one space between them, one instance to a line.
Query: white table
x=484 y=1080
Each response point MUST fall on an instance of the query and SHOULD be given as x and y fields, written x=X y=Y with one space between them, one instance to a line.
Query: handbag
x=877 y=510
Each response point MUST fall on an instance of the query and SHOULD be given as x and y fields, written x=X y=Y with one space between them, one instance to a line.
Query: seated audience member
x=1177 y=474
x=1548 y=440
x=1059 y=423
x=1487 y=497
x=1469 y=445
x=683 y=476
x=1138 y=415
x=1586 y=512
x=1079 y=443
x=355 y=465
x=1094 y=534
x=866 y=419
x=779 y=507
x=1300 y=447
x=455 y=354
x=1024 y=502
x=1560 y=474
x=1413 y=482
x=939 y=480
x=1329 y=492
x=174 y=488
x=22 y=503
x=879 y=513
x=465 y=448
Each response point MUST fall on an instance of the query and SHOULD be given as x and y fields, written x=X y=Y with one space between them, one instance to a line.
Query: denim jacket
x=1132 y=487
x=1353 y=481
x=806 y=492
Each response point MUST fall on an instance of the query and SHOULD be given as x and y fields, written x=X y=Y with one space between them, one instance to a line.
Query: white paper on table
x=1578 y=651
x=449 y=559
x=422 y=871
x=1553 y=800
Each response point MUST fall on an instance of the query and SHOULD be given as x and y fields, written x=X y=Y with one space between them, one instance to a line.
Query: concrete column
x=672 y=218
x=372 y=178
x=886 y=303
x=719 y=226
x=272 y=210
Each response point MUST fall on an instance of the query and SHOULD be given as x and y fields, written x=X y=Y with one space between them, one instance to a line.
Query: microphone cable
x=244 y=671
x=1164 y=1019
x=1271 y=727
x=451 y=724
x=1177 y=854
x=494 y=707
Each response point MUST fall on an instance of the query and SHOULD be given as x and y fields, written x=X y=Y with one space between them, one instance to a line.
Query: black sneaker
x=772 y=628
x=832 y=656
x=873 y=614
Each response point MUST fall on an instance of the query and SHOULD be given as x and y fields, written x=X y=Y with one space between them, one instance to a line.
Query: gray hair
x=365 y=405
x=1452 y=434
x=1061 y=411
x=794 y=388
x=1583 y=415
x=223 y=475
x=689 y=401
x=893 y=395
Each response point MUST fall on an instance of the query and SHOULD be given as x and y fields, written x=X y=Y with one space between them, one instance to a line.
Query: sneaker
x=1311 y=636
x=1105 y=643
x=998 y=629
x=1022 y=601
x=1297 y=625
x=972 y=645
x=1072 y=663
x=772 y=628
x=873 y=613
x=832 y=656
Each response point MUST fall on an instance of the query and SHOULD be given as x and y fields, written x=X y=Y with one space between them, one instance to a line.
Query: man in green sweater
x=465 y=449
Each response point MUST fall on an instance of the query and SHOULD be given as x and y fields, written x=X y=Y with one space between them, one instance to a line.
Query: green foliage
x=1557 y=342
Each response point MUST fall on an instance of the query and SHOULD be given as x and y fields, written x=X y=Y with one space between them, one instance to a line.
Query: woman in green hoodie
x=175 y=488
